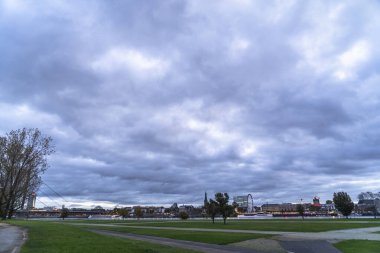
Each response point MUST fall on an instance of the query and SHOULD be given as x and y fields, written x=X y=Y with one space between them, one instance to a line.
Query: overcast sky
x=155 y=102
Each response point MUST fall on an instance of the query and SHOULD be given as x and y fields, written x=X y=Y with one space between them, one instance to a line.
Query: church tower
x=206 y=200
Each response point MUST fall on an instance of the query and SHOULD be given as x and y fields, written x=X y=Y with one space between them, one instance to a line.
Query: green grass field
x=45 y=236
x=264 y=225
x=221 y=238
x=339 y=220
x=48 y=237
x=358 y=246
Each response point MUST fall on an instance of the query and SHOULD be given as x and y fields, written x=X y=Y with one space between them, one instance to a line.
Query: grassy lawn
x=358 y=246
x=336 y=220
x=48 y=237
x=51 y=237
x=266 y=225
x=196 y=236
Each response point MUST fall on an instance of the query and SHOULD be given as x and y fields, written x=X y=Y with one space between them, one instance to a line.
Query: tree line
x=23 y=158
x=221 y=206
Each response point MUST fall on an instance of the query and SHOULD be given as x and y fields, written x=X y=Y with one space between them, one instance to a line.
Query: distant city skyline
x=156 y=102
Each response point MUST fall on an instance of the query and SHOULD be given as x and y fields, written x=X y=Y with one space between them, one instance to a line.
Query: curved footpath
x=197 y=246
x=335 y=235
x=345 y=234
x=11 y=238
x=251 y=246
x=281 y=242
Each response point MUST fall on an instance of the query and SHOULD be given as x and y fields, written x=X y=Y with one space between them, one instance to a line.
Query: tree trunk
x=23 y=201
x=224 y=220
x=5 y=198
x=7 y=209
x=10 y=213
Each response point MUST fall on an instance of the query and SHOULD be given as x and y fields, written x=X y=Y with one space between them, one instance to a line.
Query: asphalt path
x=345 y=234
x=197 y=246
x=289 y=245
x=291 y=242
x=11 y=238
x=309 y=246
x=336 y=235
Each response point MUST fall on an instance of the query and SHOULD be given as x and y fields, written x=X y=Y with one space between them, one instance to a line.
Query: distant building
x=316 y=206
x=186 y=208
x=369 y=202
x=49 y=208
x=279 y=208
x=329 y=208
x=99 y=209
x=368 y=196
x=316 y=201
x=148 y=211
x=174 y=206
x=241 y=201
x=31 y=201
x=245 y=203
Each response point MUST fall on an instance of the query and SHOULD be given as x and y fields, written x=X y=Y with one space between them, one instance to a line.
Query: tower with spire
x=205 y=201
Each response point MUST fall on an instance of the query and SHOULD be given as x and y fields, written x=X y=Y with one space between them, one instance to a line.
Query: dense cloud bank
x=155 y=102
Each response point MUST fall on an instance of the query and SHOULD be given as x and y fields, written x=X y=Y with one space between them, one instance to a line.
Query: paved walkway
x=294 y=242
x=336 y=235
x=347 y=234
x=309 y=246
x=286 y=245
x=197 y=246
x=11 y=238
x=181 y=229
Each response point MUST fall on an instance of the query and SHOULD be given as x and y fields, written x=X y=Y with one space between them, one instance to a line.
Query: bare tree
x=23 y=158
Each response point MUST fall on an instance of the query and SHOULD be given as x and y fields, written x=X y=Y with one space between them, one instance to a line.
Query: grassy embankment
x=348 y=246
x=264 y=225
x=48 y=237
x=57 y=238
x=358 y=246
x=220 y=238
x=331 y=220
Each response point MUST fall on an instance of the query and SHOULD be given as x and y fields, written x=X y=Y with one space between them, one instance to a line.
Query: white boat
x=254 y=215
x=104 y=217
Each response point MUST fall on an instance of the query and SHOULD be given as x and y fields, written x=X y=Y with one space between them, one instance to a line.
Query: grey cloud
x=157 y=102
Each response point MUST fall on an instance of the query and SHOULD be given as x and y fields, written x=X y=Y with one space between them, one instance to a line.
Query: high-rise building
x=31 y=201
x=316 y=204
x=368 y=196
x=369 y=201
x=245 y=203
